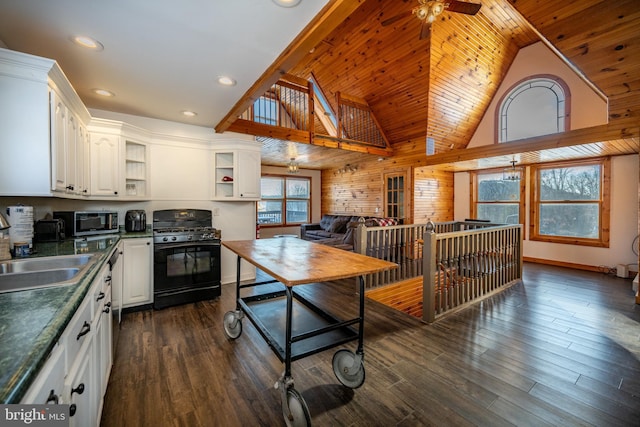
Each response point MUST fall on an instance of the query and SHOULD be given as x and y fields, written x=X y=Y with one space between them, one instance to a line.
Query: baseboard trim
x=597 y=269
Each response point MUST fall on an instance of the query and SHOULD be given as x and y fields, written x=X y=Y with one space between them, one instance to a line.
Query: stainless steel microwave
x=86 y=223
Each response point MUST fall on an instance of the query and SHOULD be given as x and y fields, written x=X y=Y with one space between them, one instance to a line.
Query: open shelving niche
x=135 y=169
x=224 y=167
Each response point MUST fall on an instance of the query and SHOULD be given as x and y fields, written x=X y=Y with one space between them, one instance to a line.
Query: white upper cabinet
x=105 y=152
x=119 y=160
x=236 y=171
x=37 y=102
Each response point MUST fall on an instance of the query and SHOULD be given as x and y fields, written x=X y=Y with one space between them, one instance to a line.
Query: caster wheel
x=342 y=363
x=300 y=416
x=232 y=325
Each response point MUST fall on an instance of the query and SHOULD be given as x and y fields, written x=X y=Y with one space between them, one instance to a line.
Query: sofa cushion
x=339 y=224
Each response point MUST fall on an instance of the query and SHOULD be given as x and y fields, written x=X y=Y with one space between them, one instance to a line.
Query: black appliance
x=77 y=224
x=49 y=230
x=135 y=220
x=186 y=257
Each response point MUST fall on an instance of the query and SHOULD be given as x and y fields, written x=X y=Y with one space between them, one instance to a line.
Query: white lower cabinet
x=77 y=370
x=48 y=387
x=80 y=387
x=137 y=282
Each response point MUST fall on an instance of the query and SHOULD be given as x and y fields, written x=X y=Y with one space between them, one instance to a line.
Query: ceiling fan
x=428 y=10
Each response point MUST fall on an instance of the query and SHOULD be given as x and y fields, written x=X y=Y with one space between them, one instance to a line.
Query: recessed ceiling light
x=287 y=3
x=189 y=113
x=88 y=42
x=226 y=81
x=103 y=92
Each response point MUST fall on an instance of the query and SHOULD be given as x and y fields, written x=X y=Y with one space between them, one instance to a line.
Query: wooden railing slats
x=460 y=262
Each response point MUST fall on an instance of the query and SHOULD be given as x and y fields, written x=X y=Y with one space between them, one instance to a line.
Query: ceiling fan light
x=422 y=12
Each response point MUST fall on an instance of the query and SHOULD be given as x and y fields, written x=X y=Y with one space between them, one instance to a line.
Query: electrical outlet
x=216 y=211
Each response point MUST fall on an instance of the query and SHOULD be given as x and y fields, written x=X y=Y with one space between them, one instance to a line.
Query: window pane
x=265 y=110
x=298 y=188
x=272 y=188
x=297 y=211
x=500 y=213
x=270 y=212
x=570 y=219
x=572 y=183
x=491 y=188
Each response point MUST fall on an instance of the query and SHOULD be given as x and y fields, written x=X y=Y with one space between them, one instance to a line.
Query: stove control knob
x=174 y=238
x=189 y=237
x=164 y=239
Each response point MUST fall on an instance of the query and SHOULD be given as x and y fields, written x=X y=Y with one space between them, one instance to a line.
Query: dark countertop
x=32 y=321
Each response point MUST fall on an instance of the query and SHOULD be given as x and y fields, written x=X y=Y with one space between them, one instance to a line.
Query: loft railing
x=290 y=111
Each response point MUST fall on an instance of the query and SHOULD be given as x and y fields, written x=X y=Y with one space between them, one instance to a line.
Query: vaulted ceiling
x=441 y=86
x=163 y=58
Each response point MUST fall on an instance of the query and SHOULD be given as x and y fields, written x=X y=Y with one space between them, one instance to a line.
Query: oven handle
x=159 y=247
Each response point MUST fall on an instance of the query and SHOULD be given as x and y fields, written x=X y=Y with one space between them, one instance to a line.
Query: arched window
x=536 y=106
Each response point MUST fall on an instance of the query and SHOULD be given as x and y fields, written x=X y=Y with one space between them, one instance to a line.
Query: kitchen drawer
x=101 y=285
x=77 y=331
x=48 y=386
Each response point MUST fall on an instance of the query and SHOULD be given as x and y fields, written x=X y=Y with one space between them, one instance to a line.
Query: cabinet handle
x=72 y=409
x=70 y=187
x=84 y=331
x=53 y=397
x=107 y=308
x=79 y=389
x=115 y=192
x=100 y=296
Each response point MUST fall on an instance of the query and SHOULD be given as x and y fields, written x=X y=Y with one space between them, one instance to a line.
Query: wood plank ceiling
x=441 y=86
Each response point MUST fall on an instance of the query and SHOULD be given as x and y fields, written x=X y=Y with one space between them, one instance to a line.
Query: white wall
x=623 y=223
x=587 y=108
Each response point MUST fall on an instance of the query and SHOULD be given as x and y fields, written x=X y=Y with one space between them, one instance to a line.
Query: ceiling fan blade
x=425 y=30
x=463 y=7
x=396 y=18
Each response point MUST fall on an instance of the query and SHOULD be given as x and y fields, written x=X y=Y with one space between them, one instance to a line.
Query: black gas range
x=186 y=257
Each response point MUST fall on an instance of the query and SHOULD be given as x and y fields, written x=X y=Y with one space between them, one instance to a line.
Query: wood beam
x=326 y=21
x=619 y=129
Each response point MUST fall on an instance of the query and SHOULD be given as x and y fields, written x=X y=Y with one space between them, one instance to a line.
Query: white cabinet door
x=80 y=388
x=137 y=286
x=70 y=144
x=48 y=386
x=105 y=152
x=58 y=130
x=248 y=167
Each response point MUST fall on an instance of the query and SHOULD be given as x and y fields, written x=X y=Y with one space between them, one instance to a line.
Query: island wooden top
x=295 y=261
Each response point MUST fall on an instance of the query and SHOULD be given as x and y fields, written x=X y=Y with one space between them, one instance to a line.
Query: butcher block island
x=292 y=325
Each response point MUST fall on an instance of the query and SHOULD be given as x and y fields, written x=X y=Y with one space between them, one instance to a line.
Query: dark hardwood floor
x=561 y=348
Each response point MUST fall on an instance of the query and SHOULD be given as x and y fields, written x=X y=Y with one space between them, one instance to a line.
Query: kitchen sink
x=34 y=273
x=44 y=263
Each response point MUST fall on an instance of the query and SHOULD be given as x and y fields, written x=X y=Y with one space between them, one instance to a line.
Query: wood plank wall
x=361 y=192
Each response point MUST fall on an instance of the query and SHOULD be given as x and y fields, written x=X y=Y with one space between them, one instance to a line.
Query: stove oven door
x=185 y=272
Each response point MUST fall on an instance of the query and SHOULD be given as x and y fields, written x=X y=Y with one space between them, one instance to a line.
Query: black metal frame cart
x=314 y=329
